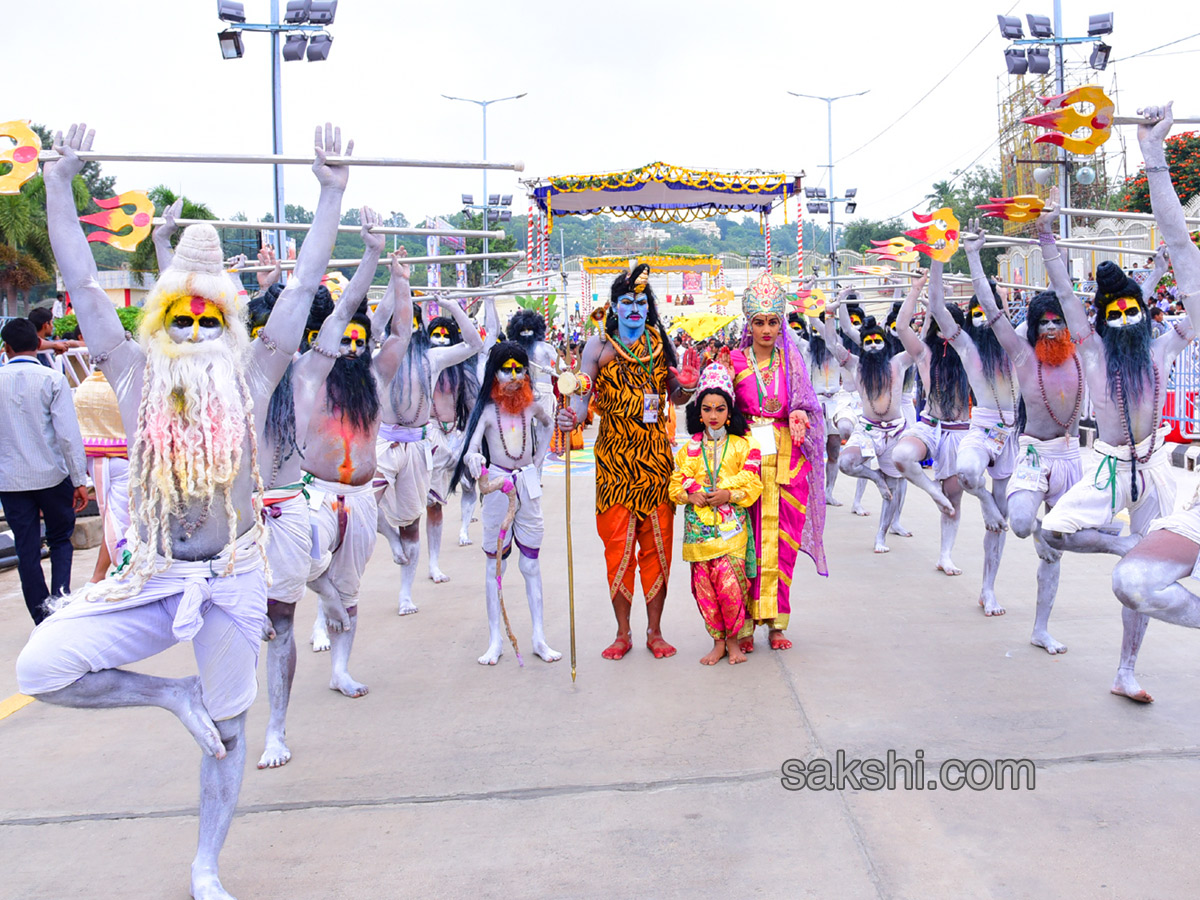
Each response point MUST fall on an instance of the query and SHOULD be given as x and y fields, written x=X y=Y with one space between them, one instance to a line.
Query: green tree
x=1183 y=158
x=857 y=236
x=144 y=258
x=943 y=194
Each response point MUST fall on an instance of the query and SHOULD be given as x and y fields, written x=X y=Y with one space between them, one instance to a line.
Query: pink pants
x=720 y=587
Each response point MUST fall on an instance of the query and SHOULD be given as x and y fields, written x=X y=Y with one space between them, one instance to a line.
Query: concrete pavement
x=647 y=777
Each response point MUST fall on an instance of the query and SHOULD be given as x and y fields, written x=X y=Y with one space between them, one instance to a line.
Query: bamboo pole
x=1117 y=214
x=448 y=260
x=344 y=229
x=998 y=241
x=280 y=159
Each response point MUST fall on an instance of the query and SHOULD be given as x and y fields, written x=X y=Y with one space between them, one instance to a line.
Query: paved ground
x=651 y=778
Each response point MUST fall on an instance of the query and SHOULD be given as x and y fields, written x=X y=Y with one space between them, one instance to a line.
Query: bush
x=68 y=326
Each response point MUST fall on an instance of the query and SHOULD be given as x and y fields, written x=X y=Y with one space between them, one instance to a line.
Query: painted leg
x=887 y=513
x=907 y=456
x=1133 y=630
x=953 y=493
x=118 y=688
x=972 y=469
x=220 y=784
x=833 y=448
x=281 y=671
x=342 y=644
x=1147 y=579
x=993 y=550
x=855 y=466
x=654 y=639
x=410 y=543
x=433 y=533
x=532 y=573
x=900 y=489
x=320 y=632
x=468 y=509
x=495 y=624
x=860 y=488
x=1047 y=590
x=331 y=615
x=1092 y=540
x=392 y=535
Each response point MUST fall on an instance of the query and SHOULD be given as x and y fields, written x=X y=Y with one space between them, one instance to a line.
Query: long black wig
x=499 y=355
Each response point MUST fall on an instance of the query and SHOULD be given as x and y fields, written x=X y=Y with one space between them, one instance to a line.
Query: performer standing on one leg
x=827 y=382
x=989 y=447
x=716 y=479
x=631 y=366
x=773 y=390
x=1126 y=370
x=501 y=441
x=1051 y=379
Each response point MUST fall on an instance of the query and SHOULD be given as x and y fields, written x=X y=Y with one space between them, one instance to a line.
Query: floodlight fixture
x=1039 y=26
x=851 y=192
x=851 y=206
x=321 y=12
x=231 y=44
x=1099 y=57
x=296 y=12
x=293 y=47
x=1016 y=62
x=493 y=199
x=467 y=199
x=1010 y=28
x=821 y=193
x=1100 y=24
x=1039 y=60
x=319 y=47
x=506 y=200
x=810 y=193
x=506 y=215
x=814 y=207
x=231 y=11
x=822 y=207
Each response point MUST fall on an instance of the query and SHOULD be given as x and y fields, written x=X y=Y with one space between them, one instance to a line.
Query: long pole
x=1064 y=223
x=833 y=262
x=487 y=270
x=277 y=129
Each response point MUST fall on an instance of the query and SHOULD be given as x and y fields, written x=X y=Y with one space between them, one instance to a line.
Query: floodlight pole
x=1064 y=221
x=277 y=129
x=483 y=105
x=833 y=265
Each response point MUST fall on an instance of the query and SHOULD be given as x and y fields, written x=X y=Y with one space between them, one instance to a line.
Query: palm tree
x=25 y=255
x=144 y=258
x=943 y=194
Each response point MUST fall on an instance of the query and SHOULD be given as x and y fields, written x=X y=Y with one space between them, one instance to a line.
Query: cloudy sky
x=610 y=85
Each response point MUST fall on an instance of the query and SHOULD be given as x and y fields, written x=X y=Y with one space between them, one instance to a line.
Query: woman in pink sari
x=772 y=389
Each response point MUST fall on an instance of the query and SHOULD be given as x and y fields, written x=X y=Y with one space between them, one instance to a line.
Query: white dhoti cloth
x=1101 y=494
x=344 y=519
x=402 y=470
x=528 y=526
x=444 y=447
x=997 y=440
x=289 y=551
x=1048 y=467
x=849 y=406
x=222 y=615
x=908 y=407
x=941 y=439
x=829 y=405
x=877 y=440
x=110 y=475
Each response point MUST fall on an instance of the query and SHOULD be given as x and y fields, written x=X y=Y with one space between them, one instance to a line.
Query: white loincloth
x=221 y=615
x=997 y=441
x=1100 y=494
x=877 y=440
x=528 y=526
x=444 y=447
x=908 y=407
x=344 y=518
x=941 y=439
x=289 y=551
x=849 y=406
x=110 y=475
x=402 y=469
x=829 y=405
x=1048 y=467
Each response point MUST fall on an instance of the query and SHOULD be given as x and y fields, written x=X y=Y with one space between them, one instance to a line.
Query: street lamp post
x=832 y=205
x=483 y=105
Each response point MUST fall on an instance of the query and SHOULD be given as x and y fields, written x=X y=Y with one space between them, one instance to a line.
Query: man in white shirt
x=43 y=473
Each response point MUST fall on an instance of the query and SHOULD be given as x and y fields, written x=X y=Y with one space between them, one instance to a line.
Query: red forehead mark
x=1123 y=303
x=1049 y=317
x=197 y=306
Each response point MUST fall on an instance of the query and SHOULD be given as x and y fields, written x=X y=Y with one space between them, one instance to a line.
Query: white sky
x=610 y=85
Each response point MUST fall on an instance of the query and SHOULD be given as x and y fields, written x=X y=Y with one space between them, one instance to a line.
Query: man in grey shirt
x=43 y=470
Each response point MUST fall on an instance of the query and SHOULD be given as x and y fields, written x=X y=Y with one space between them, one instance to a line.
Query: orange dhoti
x=637 y=545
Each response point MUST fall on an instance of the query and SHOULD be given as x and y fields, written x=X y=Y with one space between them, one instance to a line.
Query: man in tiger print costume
x=631 y=370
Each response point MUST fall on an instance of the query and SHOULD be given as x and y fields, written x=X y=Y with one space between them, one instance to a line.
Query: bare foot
x=437 y=576
x=993 y=520
x=275 y=753
x=1125 y=685
x=859 y=510
x=746 y=645
x=948 y=567
x=735 y=655
x=831 y=500
x=881 y=547
x=494 y=652
x=777 y=641
x=195 y=718
x=347 y=685
x=542 y=649
x=464 y=540
x=991 y=606
x=714 y=655
x=618 y=648
x=207 y=886
x=268 y=630
x=660 y=648
x=320 y=636
x=406 y=607
x=899 y=530
x=1045 y=552
x=944 y=506
x=1043 y=639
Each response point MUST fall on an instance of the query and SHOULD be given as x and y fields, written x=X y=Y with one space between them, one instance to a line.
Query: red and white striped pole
x=529 y=244
x=799 y=238
x=770 y=261
x=545 y=238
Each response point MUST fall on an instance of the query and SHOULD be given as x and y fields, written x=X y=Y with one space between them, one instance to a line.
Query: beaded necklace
x=524 y=434
x=766 y=402
x=1066 y=426
x=647 y=362
x=1128 y=426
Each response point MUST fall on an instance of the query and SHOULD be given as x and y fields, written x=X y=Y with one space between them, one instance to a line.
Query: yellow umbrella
x=702 y=325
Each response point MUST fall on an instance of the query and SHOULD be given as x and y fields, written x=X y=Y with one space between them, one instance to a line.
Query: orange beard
x=1054 y=351
x=514 y=397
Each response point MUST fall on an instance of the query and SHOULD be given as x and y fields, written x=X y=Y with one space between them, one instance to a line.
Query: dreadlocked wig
x=461 y=381
x=499 y=355
x=875 y=366
x=949 y=387
x=1127 y=349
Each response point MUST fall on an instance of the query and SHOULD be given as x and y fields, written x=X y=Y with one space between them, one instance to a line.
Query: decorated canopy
x=670 y=262
x=660 y=192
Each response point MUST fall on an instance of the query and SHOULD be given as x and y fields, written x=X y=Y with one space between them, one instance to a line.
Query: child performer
x=717 y=477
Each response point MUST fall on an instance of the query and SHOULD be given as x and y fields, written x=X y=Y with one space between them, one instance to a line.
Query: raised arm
x=285 y=327
x=972 y=243
x=1060 y=280
x=102 y=330
x=491 y=323
x=162 y=235
x=387 y=360
x=834 y=309
x=266 y=257
x=912 y=343
x=441 y=358
x=843 y=317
